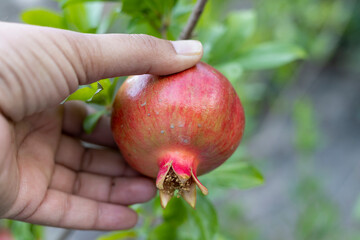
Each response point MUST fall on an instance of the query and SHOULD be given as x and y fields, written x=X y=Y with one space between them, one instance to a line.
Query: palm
x=49 y=173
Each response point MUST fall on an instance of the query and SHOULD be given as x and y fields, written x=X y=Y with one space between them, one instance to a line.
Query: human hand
x=46 y=175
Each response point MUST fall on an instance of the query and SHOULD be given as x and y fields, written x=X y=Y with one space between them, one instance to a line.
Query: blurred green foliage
x=177 y=221
x=237 y=173
x=318 y=216
x=315 y=25
x=258 y=51
x=23 y=231
x=306 y=138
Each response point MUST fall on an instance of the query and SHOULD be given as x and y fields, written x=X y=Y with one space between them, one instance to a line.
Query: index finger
x=64 y=210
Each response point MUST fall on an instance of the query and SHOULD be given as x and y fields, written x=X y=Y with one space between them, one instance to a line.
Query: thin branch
x=193 y=19
x=163 y=31
x=165 y=26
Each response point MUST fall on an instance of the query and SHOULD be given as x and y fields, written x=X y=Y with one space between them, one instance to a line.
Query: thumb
x=44 y=65
x=127 y=54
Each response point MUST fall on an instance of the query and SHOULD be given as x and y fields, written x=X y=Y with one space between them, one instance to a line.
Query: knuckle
x=77 y=184
x=66 y=208
x=87 y=160
x=97 y=216
x=149 y=42
x=83 y=48
x=149 y=51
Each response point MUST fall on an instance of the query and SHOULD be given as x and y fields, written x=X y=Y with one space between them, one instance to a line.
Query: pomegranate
x=174 y=128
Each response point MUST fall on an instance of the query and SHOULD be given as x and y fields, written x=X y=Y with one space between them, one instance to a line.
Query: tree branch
x=193 y=19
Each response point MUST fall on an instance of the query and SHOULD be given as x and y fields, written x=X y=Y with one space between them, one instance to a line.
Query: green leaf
x=82 y=94
x=153 y=8
x=108 y=92
x=238 y=27
x=24 y=231
x=241 y=25
x=101 y=96
x=112 y=90
x=183 y=222
x=38 y=231
x=43 y=17
x=205 y=217
x=65 y=3
x=131 y=234
x=270 y=55
x=209 y=37
x=100 y=93
x=164 y=231
x=238 y=174
x=140 y=26
x=182 y=9
x=214 y=11
x=83 y=17
x=175 y=212
x=174 y=216
x=94 y=13
x=232 y=70
x=179 y=17
x=85 y=93
x=108 y=20
x=150 y=17
x=91 y=121
x=150 y=9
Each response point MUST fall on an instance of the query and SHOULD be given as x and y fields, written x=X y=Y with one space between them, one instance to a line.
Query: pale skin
x=47 y=176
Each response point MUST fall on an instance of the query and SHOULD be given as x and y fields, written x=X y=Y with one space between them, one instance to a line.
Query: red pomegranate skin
x=192 y=121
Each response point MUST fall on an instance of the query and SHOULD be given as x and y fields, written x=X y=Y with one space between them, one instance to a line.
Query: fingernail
x=187 y=47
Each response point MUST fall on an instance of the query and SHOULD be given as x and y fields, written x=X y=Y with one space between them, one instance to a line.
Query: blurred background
x=296 y=67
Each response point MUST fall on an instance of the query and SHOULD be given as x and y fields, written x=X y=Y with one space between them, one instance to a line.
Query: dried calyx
x=171 y=182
